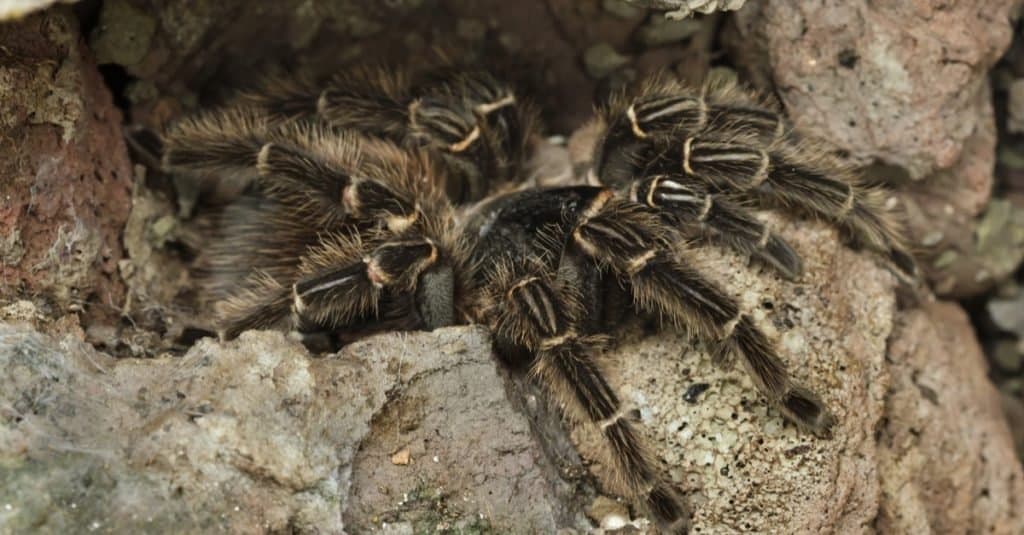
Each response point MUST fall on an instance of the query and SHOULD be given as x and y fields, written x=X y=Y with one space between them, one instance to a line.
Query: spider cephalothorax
x=350 y=223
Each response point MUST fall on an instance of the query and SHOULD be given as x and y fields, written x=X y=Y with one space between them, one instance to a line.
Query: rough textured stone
x=64 y=168
x=902 y=82
x=926 y=402
x=473 y=460
x=746 y=469
x=946 y=462
x=902 y=85
x=14 y=9
x=679 y=9
x=965 y=256
x=255 y=436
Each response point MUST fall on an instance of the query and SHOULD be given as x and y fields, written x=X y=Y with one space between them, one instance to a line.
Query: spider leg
x=793 y=178
x=631 y=241
x=714 y=216
x=533 y=310
x=334 y=175
x=723 y=137
x=341 y=281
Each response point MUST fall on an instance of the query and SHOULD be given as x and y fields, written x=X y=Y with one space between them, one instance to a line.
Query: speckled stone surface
x=746 y=469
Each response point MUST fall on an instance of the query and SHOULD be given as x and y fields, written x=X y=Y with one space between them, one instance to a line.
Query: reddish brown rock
x=64 y=169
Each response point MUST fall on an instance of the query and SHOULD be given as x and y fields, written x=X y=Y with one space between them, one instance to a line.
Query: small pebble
x=932 y=238
x=661 y=31
x=402 y=457
x=694 y=391
x=1007 y=356
x=602 y=59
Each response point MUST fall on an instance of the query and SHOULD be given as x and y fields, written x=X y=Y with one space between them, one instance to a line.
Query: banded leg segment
x=724 y=222
x=628 y=240
x=241 y=141
x=307 y=168
x=342 y=281
x=781 y=177
x=539 y=314
x=726 y=138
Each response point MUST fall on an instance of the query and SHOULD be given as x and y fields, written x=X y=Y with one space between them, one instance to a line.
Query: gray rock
x=1008 y=313
x=255 y=436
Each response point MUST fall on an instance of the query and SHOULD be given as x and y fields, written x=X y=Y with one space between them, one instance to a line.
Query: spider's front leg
x=342 y=281
x=727 y=142
x=529 y=308
x=704 y=214
x=634 y=243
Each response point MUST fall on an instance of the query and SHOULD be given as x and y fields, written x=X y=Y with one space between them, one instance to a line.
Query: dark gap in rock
x=117 y=79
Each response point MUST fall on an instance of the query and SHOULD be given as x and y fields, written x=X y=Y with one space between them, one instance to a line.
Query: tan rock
x=746 y=469
x=946 y=456
x=901 y=82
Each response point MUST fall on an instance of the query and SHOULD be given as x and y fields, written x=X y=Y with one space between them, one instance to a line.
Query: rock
x=602 y=59
x=972 y=255
x=1015 y=105
x=1008 y=356
x=124 y=34
x=472 y=455
x=745 y=469
x=907 y=93
x=660 y=31
x=748 y=471
x=942 y=411
x=255 y=436
x=686 y=8
x=66 y=174
x=15 y=9
x=1007 y=313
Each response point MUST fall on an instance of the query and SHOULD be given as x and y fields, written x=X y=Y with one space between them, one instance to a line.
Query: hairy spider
x=350 y=222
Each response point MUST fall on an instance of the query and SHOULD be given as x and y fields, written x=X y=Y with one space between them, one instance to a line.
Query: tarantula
x=350 y=222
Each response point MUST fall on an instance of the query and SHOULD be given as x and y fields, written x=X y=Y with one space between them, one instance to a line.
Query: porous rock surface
x=902 y=85
x=255 y=436
x=921 y=444
x=946 y=460
x=745 y=468
x=66 y=178
x=410 y=432
x=903 y=82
